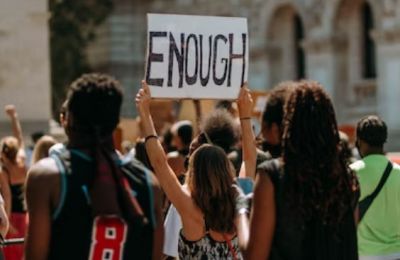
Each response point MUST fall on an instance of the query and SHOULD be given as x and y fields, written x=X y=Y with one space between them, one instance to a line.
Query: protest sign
x=198 y=57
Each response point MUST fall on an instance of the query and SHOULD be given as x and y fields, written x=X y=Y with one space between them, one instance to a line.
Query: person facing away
x=12 y=179
x=304 y=202
x=182 y=134
x=379 y=229
x=210 y=215
x=272 y=118
x=84 y=202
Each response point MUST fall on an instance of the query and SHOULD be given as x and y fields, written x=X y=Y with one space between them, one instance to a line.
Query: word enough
x=197 y=41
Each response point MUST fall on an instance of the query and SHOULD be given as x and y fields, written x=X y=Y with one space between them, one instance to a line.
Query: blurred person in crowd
x=182 y=134
x=271 y=124
x=4 y=225
x=305 y=202
x=83 y=201
x=29 y=150
x=166 y=141
x=128 y=149
x=272 y=118
x=379 y=216
x=346 y=148
x=12 y=180
x=141 y=154
x=42 y=147
x=208 y=205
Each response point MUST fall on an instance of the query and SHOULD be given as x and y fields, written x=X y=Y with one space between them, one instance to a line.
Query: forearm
x=248 y=148
x=17 y=130
x=242 y=227
x=155 y=152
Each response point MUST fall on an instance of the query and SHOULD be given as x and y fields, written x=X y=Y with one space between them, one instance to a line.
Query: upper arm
x=4 y=222
x=262 y=219
x=5 y=191
x=159 y=227
x=167 y=178
x=38 y=197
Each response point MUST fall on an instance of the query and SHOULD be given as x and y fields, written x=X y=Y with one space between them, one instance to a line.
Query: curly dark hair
x=372 y=130
x=95 y=102
x=273 y=111
x=220 y=128
x=317 y=182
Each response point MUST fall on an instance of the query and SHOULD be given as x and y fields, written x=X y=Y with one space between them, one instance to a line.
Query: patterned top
x=207 y=248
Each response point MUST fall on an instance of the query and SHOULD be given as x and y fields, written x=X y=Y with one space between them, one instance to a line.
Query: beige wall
x=24 y=60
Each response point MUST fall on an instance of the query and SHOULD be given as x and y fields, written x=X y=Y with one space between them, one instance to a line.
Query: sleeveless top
x=17 y=198
x=77 y=234
x=17 y=195
x=207 y=248
x=295 y=238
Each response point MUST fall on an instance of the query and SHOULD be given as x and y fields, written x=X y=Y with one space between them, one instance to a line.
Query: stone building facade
x=351 y=46
x=25 y=64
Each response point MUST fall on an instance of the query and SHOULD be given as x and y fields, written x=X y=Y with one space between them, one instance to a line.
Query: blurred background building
x=351 y=46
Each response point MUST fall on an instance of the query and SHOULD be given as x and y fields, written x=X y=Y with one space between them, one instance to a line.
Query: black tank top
x=17 y=195
x=295 y=238
x=77 y=234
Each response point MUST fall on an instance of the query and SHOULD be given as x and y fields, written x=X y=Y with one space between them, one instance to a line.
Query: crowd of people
x=212 y=189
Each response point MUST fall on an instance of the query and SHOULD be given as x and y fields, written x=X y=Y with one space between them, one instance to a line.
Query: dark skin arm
x=41 y=186
x=262 y=220
x=159 y=228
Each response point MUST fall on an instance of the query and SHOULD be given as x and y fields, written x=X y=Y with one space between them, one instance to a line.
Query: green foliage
x=72 y=28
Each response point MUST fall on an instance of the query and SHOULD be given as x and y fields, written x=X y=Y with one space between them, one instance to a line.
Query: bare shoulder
x=44 y=171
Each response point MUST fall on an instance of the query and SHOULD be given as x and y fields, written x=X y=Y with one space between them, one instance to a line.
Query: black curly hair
x=273 y=111
x=317 y=182
x=95 y=103
x=220 y=128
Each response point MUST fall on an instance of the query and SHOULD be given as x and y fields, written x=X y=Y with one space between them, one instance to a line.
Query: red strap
x=229 y=242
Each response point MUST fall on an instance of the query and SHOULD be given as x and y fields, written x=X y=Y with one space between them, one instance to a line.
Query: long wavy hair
x=317 y=182
x=210 y=180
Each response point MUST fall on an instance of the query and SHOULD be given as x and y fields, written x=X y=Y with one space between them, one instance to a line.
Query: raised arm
x=158 y=159
x=245 y=105
x=197 y=109
x=15 y=124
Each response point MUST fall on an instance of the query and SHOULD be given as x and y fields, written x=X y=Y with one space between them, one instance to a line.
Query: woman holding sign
x=212 y=208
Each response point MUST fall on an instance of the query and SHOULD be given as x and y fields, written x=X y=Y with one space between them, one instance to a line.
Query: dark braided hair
x=94 y=103
x=317 y=182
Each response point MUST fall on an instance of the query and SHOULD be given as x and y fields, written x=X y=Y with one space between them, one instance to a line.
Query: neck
x=86 y=141
x=373 y=150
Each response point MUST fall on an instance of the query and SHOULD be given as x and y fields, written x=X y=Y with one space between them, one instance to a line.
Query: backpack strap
x=367 y=201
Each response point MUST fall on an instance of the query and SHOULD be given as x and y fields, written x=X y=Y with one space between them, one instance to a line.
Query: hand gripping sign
x=196 y=57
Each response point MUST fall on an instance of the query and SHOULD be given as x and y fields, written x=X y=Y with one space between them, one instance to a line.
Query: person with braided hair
x=84 y=202
x=304 y=204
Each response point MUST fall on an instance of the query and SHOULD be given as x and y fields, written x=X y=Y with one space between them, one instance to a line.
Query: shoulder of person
x=357 y=165
x=396 y=166
x=43 y=169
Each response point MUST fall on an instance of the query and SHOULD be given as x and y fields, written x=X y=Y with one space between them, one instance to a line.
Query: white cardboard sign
x=197 y=57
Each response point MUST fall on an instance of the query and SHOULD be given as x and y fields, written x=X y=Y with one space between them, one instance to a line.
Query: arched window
x=369 y=67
